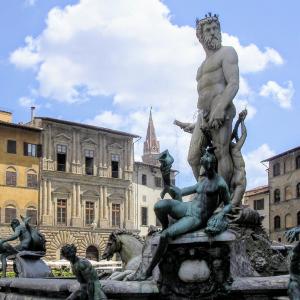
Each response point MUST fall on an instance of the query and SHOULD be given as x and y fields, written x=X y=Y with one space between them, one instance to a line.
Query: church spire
x=151 y=144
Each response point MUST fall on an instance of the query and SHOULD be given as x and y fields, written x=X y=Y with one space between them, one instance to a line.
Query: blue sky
x=106 y=62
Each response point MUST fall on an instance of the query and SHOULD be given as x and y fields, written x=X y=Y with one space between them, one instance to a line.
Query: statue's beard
x=212 y=43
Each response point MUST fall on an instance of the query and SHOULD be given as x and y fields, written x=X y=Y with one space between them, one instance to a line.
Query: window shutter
x=25 y=149
x=39 y=150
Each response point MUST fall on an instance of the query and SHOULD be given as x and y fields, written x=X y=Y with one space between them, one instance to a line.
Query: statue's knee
x=164 y=235
x=159 y=206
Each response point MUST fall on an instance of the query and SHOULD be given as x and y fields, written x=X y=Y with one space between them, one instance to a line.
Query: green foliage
x=9 y=274
x=62 y=272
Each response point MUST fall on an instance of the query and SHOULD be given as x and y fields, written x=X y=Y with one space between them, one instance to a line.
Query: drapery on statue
x=211 y=192
x=30 y=239
x=294 y=283
x=90 y=287
x=217 y=84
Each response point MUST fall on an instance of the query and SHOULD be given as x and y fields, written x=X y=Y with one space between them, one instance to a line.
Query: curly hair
x=68 y=250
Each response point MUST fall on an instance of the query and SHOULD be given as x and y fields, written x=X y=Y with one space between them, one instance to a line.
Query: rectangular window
x=116 y=215
x=31 y=180
x=11 y=178
x=10 y=213
x=276 y=169
x=115 y=166
x=61 y=157
x=89 y=212
x=34 y=150
x=144 y=179
x=157 y=181
x=89 y=162
x=259 y=204
x=61 y=211
x=144 y=216
x=11 y=146
x=32 y=213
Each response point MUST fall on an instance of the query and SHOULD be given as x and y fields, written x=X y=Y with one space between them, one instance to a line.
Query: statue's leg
x=4 y=264
x=182 y=226
x=197 y=147
x=221 y=139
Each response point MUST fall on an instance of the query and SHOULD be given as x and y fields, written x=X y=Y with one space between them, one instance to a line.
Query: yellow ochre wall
x=20 y=195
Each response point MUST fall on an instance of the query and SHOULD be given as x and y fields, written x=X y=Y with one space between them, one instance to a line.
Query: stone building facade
x=20 y=149
x=258 y=199
x=147 y=181
x=86 y=185
x=284 y=185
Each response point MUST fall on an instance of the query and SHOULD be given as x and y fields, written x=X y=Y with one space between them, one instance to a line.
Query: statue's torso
x=25 y=236
x=206 y=201
x=211 y=81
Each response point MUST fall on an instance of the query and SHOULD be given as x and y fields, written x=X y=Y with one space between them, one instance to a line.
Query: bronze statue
x=30 y=239
x=90 y=287
x=211 y=192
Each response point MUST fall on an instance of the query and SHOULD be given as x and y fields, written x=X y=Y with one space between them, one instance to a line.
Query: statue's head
x=209 y=161
x=112 y=246
x=208 y=32
x=14 y=223
x=68 y=251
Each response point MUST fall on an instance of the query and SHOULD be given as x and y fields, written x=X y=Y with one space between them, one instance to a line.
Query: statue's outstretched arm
x=13 y=236
x=189 y=190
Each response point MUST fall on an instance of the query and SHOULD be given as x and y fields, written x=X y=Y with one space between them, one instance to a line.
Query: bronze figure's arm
x=189 y=190
x=12 y=237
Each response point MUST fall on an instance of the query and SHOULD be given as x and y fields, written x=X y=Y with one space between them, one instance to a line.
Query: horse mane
x=125 y=231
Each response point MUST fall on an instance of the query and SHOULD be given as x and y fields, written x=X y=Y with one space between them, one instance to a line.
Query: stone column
x=130 y=208
x=73 y=206
x=76 y=206
x=105 y=152
x=44 y=193
x=49 y=198
x=103 y=221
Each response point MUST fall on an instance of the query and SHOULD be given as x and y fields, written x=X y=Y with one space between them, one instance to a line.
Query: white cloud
x=27 y=102
x=256 y=172
x=107 y=119
x=279 y=93
x=251 y=58
x=28 y=56
x=128 y=49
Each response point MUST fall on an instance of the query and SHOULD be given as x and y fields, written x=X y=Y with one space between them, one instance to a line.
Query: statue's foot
x=144 y=276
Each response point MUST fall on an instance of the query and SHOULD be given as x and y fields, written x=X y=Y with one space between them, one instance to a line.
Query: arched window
x=92 y=253
x=288 y=221
x=31 y=211
x=277 y=195
x=298 y=190
x=11 y=176
x=298 y=162
x=32 y=179
x=277 y=222
x=288 y=194
x=298 y=218
x=10 y=213
x=276 y=169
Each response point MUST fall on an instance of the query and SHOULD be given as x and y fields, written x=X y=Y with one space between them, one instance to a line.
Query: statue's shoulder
x=229 y=53
x=221 y=182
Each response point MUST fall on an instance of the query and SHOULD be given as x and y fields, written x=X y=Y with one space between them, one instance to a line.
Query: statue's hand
x=163 y=193
x=292 y=234
x=217 y=117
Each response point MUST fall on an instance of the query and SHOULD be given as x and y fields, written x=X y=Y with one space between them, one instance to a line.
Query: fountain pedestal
x=196 y=266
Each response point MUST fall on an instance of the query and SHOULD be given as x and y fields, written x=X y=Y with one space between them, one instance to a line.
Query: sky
x=107 y=62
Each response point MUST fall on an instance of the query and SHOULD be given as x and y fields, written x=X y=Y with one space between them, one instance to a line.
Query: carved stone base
x=28 y=264
x=196 y=267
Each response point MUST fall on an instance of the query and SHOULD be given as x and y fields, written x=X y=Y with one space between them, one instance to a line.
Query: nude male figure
x=217 y=84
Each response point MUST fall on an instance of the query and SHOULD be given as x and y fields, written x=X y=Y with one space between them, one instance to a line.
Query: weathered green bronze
x=30 y=240
x=211 y=191
x=90 y=288
x=294 y=283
